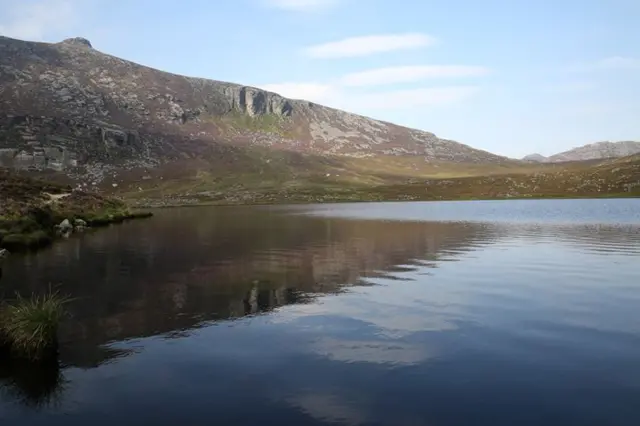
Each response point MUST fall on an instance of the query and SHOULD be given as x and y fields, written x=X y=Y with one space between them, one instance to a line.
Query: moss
x=29 y=240
x=269 y=123
x=140 y=215
x=105 y=218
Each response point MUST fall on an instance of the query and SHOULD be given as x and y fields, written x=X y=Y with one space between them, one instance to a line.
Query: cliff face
x=68 y=107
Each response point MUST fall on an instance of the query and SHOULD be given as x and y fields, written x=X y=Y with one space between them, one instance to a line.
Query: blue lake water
x=443 y=313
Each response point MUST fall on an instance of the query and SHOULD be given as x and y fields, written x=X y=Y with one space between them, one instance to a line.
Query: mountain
x=102 y=120
x=594 y=151
x=535 y=158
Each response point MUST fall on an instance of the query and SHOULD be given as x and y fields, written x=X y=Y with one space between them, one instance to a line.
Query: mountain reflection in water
x=181 y=269
x=313 y=319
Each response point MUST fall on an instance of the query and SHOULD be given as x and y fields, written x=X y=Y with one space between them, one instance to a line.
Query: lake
x=441 y=313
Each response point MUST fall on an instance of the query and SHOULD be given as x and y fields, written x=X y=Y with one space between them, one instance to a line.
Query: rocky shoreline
x=35 y=213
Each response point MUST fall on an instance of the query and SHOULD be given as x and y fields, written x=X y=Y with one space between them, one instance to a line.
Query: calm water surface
x=453 y=313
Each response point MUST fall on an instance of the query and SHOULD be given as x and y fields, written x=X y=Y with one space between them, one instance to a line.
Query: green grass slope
x=267 y=176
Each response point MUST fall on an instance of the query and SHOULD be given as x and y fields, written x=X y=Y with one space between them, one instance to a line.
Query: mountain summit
x=69 y=107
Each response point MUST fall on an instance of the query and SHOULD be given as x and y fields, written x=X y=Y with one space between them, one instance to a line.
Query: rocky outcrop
x=69 y=107
x=254 y=102
x=77 y=41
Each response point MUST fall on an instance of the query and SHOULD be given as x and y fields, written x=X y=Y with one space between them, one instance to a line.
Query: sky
x=512 y=77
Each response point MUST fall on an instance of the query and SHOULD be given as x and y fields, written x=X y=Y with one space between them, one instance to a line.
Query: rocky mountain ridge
x=593 y=151
x=69 y=108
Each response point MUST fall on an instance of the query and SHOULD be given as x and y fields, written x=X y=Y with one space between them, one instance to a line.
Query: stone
x=77 y=41
x=79 y=223
x=65 y=227
x=4 y=253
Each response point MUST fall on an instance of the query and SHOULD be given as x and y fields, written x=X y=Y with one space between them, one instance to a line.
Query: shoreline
x=47 y=232
x=164 y=204
x=38 y=229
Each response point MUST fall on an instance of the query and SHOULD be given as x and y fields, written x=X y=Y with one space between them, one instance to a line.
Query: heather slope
x=100 y=120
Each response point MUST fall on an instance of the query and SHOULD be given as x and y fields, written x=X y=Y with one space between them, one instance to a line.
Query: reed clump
x=29 y=325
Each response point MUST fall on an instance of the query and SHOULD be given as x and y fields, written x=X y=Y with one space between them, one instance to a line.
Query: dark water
x=468 y=313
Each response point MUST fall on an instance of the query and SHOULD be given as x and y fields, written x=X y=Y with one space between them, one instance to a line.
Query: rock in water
x=65 y=227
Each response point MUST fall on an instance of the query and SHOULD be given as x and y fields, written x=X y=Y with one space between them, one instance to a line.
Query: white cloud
x=301 y=5
x=369 y=45
x=329 y=407
x=35 y=20
x=569 y=87
x=583 y=109
x=370 y=351
x=411 y=98
x=619 y=62
x=405 y=74
x=337 y=97
x=309 y=91
x=612 y=63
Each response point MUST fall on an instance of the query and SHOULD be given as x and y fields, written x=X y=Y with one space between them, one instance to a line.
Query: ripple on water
x=428 y=313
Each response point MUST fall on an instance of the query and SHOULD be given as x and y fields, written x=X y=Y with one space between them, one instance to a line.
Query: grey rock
x=65 y=226
x=79 y=223
x=77 y=41
x=4 y=253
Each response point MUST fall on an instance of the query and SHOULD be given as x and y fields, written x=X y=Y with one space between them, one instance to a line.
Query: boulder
x=4 y=253
x=79 y=223
x=65 y=227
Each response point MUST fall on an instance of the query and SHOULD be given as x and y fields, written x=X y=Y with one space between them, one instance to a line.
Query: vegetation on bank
x=29 y=326
x=33 y=212
x=400 y=181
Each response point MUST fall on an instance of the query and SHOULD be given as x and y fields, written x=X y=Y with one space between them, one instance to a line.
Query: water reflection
x=190 y=266
x=33 y=384
x=369 y=321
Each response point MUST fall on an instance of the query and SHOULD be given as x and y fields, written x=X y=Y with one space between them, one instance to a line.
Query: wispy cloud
x=612 y=63
x=302 y=5
x=340 y=97
x=569 y=87
x=309 y=91
x=406 y=74
x=587 y=109
x=35 y=20
x=619 y=62
x=410 y=98
x=346 y=91
x=369 y=45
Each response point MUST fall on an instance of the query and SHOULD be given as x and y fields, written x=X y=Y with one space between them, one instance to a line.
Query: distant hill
x=535 y=158
x=593 y=151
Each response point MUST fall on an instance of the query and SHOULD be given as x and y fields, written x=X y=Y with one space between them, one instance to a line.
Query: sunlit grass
x=29 y=326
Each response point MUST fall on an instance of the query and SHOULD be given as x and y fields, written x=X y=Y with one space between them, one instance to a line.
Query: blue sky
x=509 y=76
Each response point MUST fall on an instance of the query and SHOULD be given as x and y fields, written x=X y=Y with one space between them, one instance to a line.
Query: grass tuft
x=29 y=326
